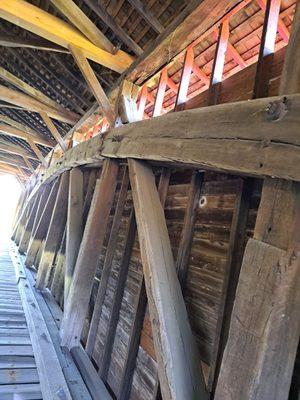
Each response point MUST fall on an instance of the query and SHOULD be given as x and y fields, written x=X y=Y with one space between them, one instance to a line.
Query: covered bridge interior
x=155 y=249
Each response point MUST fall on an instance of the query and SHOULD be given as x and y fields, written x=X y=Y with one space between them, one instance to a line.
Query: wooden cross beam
x=38 y=44
x=77 y=17
x=30 y=17
x=50 y=125
x=15 y=132
x=14 y=149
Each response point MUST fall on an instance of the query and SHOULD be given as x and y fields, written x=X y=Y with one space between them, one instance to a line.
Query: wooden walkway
x=19 y=377
x=32 y=363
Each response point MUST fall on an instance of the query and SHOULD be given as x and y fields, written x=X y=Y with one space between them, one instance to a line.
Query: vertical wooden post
x=143 y=101
x=89 y=252
x=218 y=64
x=267 y=49
x=55 y=231
x=24 y=240
x=264 y=332
x=74 y=225
x=179 y=369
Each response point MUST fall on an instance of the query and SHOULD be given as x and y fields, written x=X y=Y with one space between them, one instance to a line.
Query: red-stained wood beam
x=267 y=48
x=185 y=78
x=143 y=101
x=282 y=29
x=160 y=94
x=200 y=74
x=219 y=61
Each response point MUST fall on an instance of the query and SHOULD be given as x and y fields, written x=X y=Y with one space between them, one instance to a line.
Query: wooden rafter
x=110 y=22
x=93 y=83
x=38 y=44
x=49 y=27
x=147 y=15
x=77 y=17
x=31 y=91
x=14 y=149
x=31 y=104
x=50 y=125
x=15 y=132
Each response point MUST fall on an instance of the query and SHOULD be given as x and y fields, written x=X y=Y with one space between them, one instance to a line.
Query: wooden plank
x=100 y=11
x=23 y=391
x=93 y=83
x=290 y=77
x=270 y=276
x=106 y=270
x=218 y=63
x=56 y=30
x=54 y=384
x=139 y=311
x=162 y=84
x=14 y=350
x=50 y=125
x=41 y=228
x=267 y=48
x=37 y=152
x=74 y=227
x=188 y=226
x=185 y=78
x=55 y=231
x=77 y=17
x=18 y=376
x=90 y=249
x=31 y=104
x=236 y=246
x=24 y=240
x=16 y=361
x=178 y=363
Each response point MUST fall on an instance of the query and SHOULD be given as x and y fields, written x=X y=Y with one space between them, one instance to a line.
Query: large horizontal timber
x=260 y=136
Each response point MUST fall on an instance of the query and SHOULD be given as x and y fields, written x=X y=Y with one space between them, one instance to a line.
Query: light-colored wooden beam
x=18 y=125
x=179 y=370
x=37 y=152
x=28 y=163
x=38 y=44
x=50 y=125
x=77 y=17
x=11 y=169
x=11 y=161
x=31 y=91
x=15 y=132
x=14 y=149
x=43 y=24
x=31 y=104
x=93 y=83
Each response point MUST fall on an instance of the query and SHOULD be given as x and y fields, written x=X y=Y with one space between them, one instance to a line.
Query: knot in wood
x=277 y=109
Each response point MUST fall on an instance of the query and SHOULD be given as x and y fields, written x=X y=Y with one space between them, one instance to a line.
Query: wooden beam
x=140 y=306
x=218 y=64
x=77 y=17
x=29 y=103
x=90 y=249
x=188 y=227
x=185 y=78
x=270 y=275
x=38 y=44
x=15 y=132
x=147 y=15
x=207 y=137
x=11 y=161
x=14 y=149
x=54 y=232
x=282 y=29
x=160 y=93
x=31 y=91
x=113 y=237
x=197 y=17
x=40 y=231
x=25 y=237
x=178 y=363
x=32 y=18
x=28 y=163
x=74 y=227
x=267 y=48
x=37 y=152
x=93 y=83
x=110 y=22
x=50 y=125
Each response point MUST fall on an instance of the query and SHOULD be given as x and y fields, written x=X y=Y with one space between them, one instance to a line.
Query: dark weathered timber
x=113 y=237
x=176 y=351
x=139 y=310
x=89 y=252
x=55 y=232
x=188 y=226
